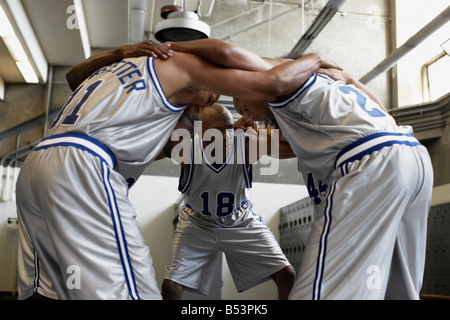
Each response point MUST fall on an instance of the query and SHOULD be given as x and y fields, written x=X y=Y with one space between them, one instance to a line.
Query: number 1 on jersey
x=72 y=118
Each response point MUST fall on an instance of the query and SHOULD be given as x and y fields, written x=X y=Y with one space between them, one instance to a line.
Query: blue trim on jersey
x=248 y=174
x=367 y=145
x=305 y=86
x=250 y=208
x=154 y=77
x=320 y=267
x=78 y=141
x=325 y=77
x=182 y=188
x=119 y=234
x=36 y=272
x=223 y=166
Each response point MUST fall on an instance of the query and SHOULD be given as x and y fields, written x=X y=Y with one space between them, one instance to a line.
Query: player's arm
x=223 y=54
x=84 y=69
x=265 y=138
x=270 y=143
x=349 y=79
x=278 y=82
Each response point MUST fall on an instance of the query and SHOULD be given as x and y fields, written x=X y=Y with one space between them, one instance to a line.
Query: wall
x=24 y=102
x=272 y=30
x=8 y=248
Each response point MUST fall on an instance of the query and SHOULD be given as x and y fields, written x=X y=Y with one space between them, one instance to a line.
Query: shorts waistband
x=372 y=143
x=80 y=141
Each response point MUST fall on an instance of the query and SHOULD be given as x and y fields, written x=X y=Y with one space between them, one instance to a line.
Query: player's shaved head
x=216 y=116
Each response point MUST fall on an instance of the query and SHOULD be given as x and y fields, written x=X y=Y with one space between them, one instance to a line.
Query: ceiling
x=107 y=21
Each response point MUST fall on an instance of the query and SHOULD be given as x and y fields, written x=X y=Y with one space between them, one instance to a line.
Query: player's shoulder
x=180 y=62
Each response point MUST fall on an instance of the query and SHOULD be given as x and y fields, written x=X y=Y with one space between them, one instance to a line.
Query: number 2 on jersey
x=72 y=118
x=361 y=100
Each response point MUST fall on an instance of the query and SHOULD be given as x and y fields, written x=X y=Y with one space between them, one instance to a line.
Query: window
x=435 y=77
x=421 y=73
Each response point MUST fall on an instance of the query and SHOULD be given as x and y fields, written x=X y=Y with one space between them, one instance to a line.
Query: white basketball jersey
x=128 y=113
x=216 y=190
x=324 y=116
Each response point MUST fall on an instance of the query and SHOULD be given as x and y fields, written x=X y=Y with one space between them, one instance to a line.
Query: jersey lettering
x=361 y=100
x=315 y=191
x=72 y=118
x=225 y=203
x=129 y=75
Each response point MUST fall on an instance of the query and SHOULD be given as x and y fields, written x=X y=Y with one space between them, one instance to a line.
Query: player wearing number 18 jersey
x=217 y=217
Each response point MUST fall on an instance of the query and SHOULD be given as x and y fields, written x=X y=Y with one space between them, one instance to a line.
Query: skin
x=227 y=55
x=188 y=78
x=260 y=110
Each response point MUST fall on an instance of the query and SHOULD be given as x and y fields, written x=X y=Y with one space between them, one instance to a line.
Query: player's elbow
x=229 y=55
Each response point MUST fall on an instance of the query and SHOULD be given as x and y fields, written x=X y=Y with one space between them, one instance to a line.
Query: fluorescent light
x=15 y=48
x=6 y=29
x=79 y=11
x=15 y=45
x=27 y=71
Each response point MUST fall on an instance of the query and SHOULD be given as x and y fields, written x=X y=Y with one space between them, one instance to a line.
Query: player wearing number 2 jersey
x=79 y=238
x=370 y=241
x=217 y=217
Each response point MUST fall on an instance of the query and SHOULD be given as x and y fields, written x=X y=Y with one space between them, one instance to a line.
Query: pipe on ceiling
x=322 y=19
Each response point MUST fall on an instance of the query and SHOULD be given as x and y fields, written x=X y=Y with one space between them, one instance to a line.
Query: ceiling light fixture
x=180 y=25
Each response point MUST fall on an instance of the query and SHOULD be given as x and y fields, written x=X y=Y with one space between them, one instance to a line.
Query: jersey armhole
x=241 y=142
x=155 y=80
x=186 y=177
x=308 y=83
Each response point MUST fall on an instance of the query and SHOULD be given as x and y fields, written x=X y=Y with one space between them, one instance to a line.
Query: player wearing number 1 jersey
x=369 y=242
x=217 y=217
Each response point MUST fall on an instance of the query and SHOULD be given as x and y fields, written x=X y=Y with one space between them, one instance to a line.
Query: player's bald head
x=216 y=116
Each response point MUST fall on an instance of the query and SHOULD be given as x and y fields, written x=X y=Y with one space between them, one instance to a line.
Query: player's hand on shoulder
x=147 y=48
x=327 y=63
x=336 y=74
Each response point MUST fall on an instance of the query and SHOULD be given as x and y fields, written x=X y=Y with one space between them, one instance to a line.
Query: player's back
x=123 y=106
x=324 y=117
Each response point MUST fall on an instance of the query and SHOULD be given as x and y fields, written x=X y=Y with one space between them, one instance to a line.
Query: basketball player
x=370 y=241
x=79 y=238
x=217 y=217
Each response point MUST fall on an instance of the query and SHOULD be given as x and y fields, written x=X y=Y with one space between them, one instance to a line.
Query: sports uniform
x=370 y=241
x=79 y=238
x=217 y=217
